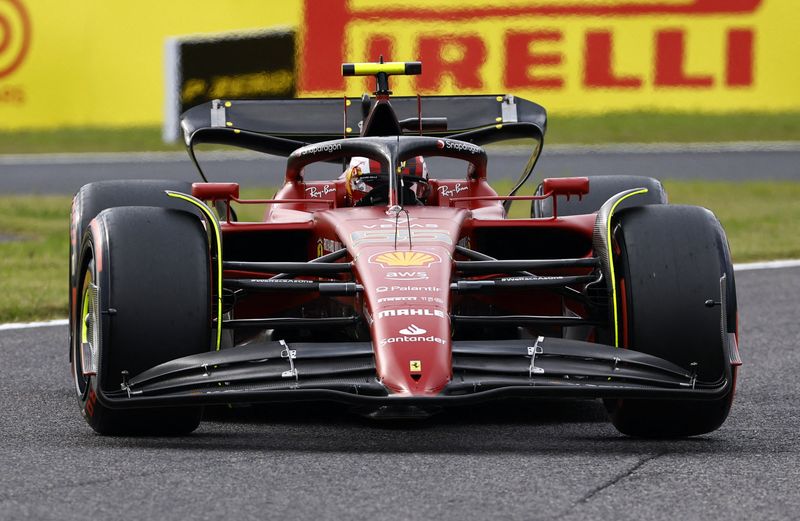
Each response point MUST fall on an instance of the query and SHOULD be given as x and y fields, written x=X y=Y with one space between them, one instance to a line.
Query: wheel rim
x=86 y=344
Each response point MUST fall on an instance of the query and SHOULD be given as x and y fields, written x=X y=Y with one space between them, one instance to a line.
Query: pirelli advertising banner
x=573 y=56
x=93 y=62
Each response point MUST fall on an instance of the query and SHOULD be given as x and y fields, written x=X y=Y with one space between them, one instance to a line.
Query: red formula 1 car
x=391 y=290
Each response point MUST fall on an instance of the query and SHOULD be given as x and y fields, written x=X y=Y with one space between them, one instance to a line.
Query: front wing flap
x=345 y=372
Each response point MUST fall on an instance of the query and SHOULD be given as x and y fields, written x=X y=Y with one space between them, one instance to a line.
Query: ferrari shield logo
x=415 y=366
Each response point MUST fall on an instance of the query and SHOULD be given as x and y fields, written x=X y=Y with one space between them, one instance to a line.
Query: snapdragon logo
x=461 y=146
x=328 y=147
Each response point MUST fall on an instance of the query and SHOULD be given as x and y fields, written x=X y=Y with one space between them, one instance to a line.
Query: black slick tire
x=669 y=260
x=150 y=271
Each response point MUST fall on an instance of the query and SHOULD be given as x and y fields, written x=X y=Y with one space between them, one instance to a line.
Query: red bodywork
x=406 y=299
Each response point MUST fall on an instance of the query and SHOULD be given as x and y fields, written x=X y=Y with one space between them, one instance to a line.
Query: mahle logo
x=392 y=259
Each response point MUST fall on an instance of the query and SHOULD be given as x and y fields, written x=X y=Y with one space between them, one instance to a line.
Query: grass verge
x=629 y=127
x=34 y=267
x=760 y=219
x=84 y=139
x=656 y=127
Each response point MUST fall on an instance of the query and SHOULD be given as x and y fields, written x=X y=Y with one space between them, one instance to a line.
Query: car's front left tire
x=669 y=264
x=144 y=297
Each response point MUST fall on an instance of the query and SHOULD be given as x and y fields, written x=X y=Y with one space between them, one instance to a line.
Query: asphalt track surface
x=519 y=460
x=66 y=173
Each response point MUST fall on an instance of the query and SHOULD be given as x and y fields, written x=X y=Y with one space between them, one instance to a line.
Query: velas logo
x=393 y=225
x=394 y=259
x=15 y=36
x=417 y=236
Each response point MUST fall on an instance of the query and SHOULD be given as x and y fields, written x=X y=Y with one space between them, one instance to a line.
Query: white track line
x=750 y=266
x=29 y=325
x=768 y=265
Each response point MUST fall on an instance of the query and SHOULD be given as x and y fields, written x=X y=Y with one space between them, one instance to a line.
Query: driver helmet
x=359 y=166
x=414 y=166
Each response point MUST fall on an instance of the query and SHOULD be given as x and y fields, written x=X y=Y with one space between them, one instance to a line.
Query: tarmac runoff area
x=66 y=173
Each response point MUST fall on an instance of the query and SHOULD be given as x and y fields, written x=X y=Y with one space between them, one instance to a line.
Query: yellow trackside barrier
x=101 y=63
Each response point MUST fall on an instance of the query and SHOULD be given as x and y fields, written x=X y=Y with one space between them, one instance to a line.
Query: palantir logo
x=412 y=330
x=15 y=35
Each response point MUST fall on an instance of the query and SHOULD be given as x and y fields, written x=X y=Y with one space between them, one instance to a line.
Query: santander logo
x=412 y=330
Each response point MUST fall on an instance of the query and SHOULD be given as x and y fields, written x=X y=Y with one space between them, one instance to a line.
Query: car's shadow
x=533 y=411
x=508 y=426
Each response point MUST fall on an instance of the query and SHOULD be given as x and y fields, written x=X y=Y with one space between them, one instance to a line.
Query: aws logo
x=393 y=259
x=15 y=36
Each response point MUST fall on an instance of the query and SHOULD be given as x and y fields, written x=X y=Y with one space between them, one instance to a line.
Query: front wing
x=482 y=370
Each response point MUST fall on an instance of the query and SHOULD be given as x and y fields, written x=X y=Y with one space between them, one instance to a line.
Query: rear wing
x=309 y=120
x=280 y=127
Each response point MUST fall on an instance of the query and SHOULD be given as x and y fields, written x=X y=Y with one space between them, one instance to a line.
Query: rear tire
x=150 y=270
x=669 y=263
x=601 y=189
